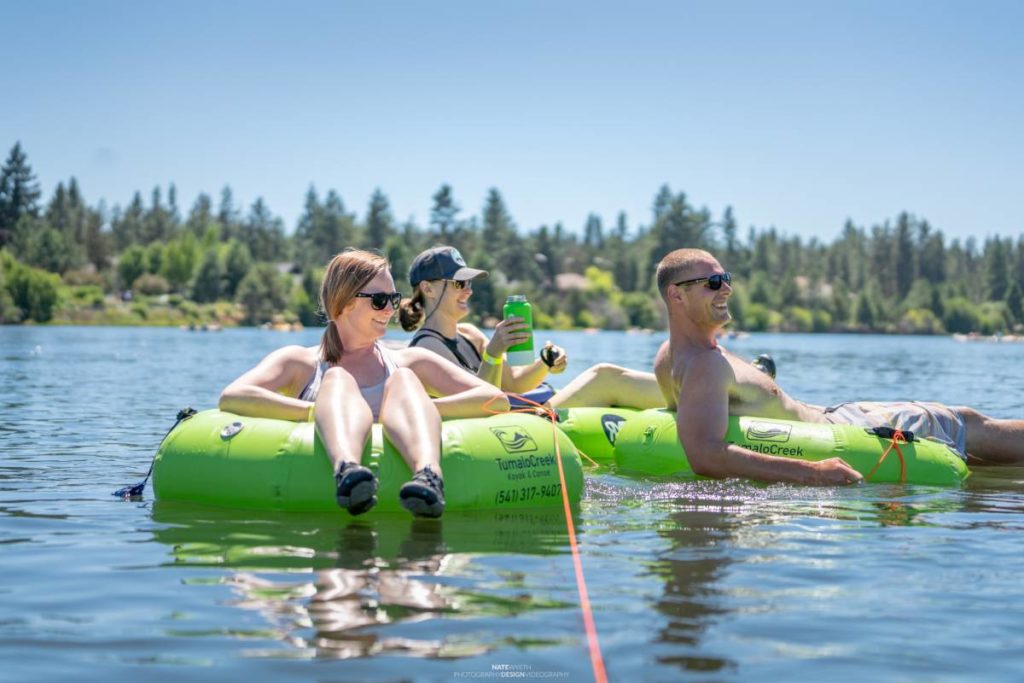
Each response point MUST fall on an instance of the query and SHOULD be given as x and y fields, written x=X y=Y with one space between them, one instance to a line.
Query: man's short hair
x=677 y=265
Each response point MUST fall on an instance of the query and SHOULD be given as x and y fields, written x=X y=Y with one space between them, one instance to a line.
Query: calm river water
x=697 y=581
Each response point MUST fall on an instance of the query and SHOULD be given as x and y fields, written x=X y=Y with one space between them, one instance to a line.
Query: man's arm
x=702 y=420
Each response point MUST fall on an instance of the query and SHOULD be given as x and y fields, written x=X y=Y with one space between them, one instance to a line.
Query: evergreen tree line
x=900 y=276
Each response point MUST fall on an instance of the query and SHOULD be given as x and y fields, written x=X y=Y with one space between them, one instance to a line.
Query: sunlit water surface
x=713 y=581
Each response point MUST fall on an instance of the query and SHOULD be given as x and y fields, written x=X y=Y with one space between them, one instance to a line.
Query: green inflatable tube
x=593 y=430
x=647 y=443
x=500 y=462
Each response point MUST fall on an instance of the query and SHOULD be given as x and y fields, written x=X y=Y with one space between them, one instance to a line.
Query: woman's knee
x=402 y=376
x=404 y=381
x=607 y=370
x=338 y=376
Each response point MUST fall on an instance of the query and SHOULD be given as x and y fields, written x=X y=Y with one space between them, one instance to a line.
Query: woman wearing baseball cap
x=442 y=286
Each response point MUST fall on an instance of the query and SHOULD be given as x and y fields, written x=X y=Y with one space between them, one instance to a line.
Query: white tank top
x=373 y=395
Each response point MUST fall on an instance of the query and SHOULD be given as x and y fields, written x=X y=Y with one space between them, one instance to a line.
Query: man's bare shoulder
x=704 y=362
x=663 y=357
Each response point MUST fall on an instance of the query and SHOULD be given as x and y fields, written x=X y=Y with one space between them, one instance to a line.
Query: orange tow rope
x=897 y=436
x=596 y=661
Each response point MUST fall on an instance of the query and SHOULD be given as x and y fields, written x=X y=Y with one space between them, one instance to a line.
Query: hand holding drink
x=516 y=306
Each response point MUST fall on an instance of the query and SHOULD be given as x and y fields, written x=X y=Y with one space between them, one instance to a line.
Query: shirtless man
x=706 y=384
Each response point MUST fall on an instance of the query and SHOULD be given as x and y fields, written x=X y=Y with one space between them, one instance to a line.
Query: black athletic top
x=460 y=347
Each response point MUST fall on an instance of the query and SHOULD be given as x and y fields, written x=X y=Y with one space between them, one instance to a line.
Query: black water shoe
x=424 y=495
x=356 y=488
x=765 y=364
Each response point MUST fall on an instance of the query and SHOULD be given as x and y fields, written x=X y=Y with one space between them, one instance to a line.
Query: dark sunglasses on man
x=379 y=300
x=714 y=282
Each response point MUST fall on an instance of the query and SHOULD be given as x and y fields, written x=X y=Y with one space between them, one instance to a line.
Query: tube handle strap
x=135 y=491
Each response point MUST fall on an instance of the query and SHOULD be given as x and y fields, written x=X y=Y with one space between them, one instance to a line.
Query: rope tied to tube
x=895 y=436
x=596 y=660
x=135 y=490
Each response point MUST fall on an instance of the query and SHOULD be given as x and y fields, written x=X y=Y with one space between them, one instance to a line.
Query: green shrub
x=32 y=292
x=798 y=319
x=141 y=309
x=961 y=316
x=149 y=284
x=919 y=321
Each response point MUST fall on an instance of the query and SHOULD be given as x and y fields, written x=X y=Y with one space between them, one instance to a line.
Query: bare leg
x=343 y=419
x=605 y=384
x=411 y=422
x=991 y=441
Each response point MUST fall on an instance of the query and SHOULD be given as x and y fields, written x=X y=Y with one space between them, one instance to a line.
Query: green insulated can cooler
x=517 y=305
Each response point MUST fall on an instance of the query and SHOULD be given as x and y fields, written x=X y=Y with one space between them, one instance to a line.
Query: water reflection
x=690 y=569
x=333 y=587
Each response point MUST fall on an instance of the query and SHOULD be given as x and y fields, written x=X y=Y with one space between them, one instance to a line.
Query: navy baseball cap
x=441 y=263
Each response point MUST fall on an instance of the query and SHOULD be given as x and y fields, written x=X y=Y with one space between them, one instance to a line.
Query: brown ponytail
x=346 y=274
x=410 y=313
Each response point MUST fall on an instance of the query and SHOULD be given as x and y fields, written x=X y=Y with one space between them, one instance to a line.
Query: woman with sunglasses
x=442 y=286
x=350 y=381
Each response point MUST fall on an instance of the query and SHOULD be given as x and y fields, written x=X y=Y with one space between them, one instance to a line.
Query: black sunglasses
x=379 y=300
x=460 y=284
x=714 y=281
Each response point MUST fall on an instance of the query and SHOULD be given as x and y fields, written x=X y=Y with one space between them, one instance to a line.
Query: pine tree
x=498 y=228
x=323 y=229
x=730 y=241
x=593 y=232
x=662 y=202
x=237 y=264
x=127 y=226
x=157 y=223
x=65 y=215
x=997 y=270
x=98 y=242
x=1015 y=302
x=677 y=227
x=379 y=222
x=443 y=214
x=228 y=215
x=263 y=233
x=905 y=257
x=19 y=193
x=200 y=217
x=208 y=284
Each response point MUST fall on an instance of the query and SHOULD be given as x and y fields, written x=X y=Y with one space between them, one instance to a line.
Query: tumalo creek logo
x=764 y=431
x=514 y=440
x=611 y=425
x=765 y=437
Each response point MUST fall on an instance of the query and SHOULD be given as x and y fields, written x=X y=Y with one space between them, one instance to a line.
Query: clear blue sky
x=799 y=114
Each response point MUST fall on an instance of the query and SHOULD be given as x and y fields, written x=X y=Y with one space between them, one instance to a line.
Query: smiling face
x=359 y=320
x=448 y=302
x=701 y=304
